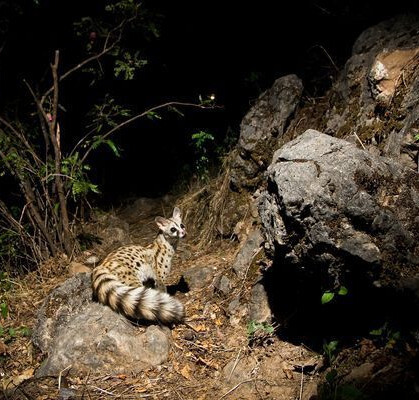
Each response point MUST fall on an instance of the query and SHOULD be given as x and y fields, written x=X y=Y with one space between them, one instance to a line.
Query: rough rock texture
x=375 y=99
x=222 y=285
x=59 y=308
x=74 y=331
x=247 y=252
x=331 y=204
x=259 y=310
x=115 y=232
x=261 y=127
x=198 y=277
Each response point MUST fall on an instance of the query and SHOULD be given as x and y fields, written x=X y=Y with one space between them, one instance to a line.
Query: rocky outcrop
x=247 y=252
x=261 y=128
x=75 y=332
x=379 y=102
x=331 y=204
x=374 y=101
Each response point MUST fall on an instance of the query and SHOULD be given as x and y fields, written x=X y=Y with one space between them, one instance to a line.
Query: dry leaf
x=200 y=328
x=186 y=372
x=197 y=327
x=287 y=369
x=3 y=348
x=140 y=389
x=10 y=383
x=211 y=364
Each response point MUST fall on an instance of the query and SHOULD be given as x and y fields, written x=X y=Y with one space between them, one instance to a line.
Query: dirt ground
x=213 y=355
x=210 y=357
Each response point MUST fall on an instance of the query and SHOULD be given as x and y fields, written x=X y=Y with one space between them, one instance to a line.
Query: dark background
x=234 y=50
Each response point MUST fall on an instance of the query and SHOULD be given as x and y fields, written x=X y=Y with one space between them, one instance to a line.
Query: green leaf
x=113 y=147
x=332 y=345
x=269 y=329
x=343 y=291
x=25 y=331
x=12 y=332
x=376 y=332
x=176 y=110
x=327 y=297
x=94 y=188
x=153 y=115
x=4 y=310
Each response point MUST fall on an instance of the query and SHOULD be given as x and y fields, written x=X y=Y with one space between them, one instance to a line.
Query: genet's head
x=172 y=227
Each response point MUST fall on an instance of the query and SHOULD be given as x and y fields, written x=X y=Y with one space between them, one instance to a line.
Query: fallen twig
x=60 y=375
x=235 y=364
x=301 y=383
x=235 y=387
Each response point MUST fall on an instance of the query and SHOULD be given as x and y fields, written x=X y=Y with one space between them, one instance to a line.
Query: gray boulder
x=330 y=203
x=261 y=129
x=74 y=331
x=375 y=95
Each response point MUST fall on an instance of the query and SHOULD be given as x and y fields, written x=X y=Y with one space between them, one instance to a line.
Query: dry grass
x=212 y=210
x=205 y=207
x=200 y=349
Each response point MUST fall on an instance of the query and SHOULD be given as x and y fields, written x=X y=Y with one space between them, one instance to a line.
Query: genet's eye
x=173 y=230
x=182 y=226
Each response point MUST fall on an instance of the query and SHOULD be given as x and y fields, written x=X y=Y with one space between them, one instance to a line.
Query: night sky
x=205 y=47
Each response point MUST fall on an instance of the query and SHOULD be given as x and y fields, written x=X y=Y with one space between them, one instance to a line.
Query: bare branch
x=53 y=128
x=53 y=122
x=23 y=139
x=145 y=113
x=105 y=50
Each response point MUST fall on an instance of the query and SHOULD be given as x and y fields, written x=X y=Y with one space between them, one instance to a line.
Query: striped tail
x=136 y=302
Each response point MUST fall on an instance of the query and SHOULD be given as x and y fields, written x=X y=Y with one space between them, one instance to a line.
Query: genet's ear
x=176 y=213
x=161 y=222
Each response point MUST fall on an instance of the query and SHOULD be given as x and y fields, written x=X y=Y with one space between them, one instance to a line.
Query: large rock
x=331 y=204
x=74 y=331
x=261 y=128
x=375 y=96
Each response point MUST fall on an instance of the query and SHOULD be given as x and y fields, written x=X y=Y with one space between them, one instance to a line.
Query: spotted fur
x=131 y=280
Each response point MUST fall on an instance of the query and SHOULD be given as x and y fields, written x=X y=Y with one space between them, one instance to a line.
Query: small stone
x=237 y=311
x=67 y=394
x=259 y=310
x=223 y=285
x=92 y=260
x=77 y=268
x=189 y=335
x=360 y=373
x=245 y=256
x=198 y=277
x=233 y=306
